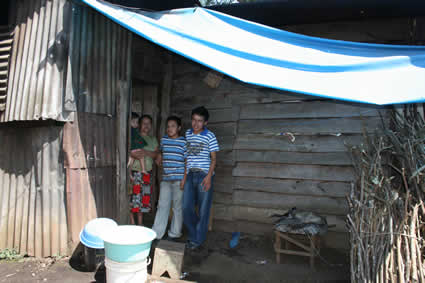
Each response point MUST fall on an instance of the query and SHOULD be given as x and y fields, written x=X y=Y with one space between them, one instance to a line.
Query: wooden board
x=310 y=126
x=223 y=179
x=225 y=158
x=292 y=171
x=313 y=109
x=219 y=129
x=301 y=143
x=223 y=198
x=325 y=205
x=316 y=158
x=291 y=186
x=222 y=212
x=366 y=30
x=263 y=215
x=216 y=115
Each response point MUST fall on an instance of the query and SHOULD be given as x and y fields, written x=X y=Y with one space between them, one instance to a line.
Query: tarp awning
x=265 y=56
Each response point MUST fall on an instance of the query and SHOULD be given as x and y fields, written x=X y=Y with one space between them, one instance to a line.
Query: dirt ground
x=253 y=260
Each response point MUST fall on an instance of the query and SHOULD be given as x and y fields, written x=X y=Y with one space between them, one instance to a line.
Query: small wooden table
x=312 y=250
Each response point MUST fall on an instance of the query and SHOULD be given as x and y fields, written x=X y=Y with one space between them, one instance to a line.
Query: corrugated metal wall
x=44 y=201
x=39 y=61
x=6 y=39
x=98 y=84
x=32 y=197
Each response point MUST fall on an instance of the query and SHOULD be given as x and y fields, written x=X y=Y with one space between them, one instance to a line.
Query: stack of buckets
x=127 y=249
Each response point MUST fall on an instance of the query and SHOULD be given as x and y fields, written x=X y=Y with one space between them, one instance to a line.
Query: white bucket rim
x=111 y=238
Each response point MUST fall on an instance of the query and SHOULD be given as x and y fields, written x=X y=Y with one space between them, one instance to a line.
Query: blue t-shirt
x=173 y=158
x=199 y=148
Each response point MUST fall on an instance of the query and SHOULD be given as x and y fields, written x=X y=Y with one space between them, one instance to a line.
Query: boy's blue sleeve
x=185 y=149
x=213 y=143
x=161 y=145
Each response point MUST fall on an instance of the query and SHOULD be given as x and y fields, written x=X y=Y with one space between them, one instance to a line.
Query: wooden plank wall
x=278 y=150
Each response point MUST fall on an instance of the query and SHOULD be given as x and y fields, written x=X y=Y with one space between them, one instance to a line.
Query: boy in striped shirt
x=202 y=146
x=173 y=157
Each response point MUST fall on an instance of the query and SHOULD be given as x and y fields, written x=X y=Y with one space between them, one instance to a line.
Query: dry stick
x=419 y=255
x=408 y=258
x=391 y=268
x=413 y=243
x=400 y=261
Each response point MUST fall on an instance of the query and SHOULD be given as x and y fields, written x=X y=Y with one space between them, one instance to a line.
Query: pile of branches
x=386 y=203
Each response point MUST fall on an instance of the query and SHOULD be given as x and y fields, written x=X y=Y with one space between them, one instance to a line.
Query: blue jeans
x=194 y=195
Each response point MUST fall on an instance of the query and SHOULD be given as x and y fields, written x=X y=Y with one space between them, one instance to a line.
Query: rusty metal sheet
x=97 y=54
x=39 y=61
x=32 y=198
x=89 y=141
x=90 y=194
x=89 y=149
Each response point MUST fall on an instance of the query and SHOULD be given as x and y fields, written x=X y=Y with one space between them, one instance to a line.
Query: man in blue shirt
x=202 y=146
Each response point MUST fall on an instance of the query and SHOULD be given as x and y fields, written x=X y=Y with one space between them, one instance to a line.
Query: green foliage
x=10 y=254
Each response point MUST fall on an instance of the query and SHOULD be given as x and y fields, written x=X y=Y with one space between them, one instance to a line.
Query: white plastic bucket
x=126 y=272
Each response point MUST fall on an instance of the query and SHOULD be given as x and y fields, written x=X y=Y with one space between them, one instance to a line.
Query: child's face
x=134 y=123
x=173 y=129
x=198 y=123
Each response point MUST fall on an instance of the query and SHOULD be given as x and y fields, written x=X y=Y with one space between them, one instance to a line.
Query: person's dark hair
x=201 y=111
x=145 y=116
x=176 y=119
x=134 y=115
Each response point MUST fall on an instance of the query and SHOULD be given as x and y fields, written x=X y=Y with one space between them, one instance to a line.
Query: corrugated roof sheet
x=32 y=198
x=38 y=63
x=6 y=39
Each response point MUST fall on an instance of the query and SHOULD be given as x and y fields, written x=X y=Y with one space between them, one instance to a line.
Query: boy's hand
x=206 y=183
x=158 y=160
x=182 y=185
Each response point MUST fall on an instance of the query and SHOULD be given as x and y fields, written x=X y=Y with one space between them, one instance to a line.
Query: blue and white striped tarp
x=265 y=56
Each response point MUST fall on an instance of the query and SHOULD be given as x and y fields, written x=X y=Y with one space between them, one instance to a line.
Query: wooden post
x=277 y=247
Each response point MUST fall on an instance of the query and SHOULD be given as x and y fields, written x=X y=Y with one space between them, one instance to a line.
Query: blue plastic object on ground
x=235 y=239
x=92 y=233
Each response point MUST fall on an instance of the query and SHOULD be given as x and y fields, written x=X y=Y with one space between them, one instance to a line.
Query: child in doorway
x=173 y=155
x=137 y=141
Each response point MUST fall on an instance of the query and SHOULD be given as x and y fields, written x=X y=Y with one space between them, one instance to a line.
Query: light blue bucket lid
x=93 y=232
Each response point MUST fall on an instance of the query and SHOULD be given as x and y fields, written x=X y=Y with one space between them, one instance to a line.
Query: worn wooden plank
x=219 y=129
x=313 y=109
x=316 y=158
x=223 y=180
x=223 y=198
x=300 y=144
x=225 y=142
x=263 y=215
x=367 y=30
x=310 y=126
x=294 y=171
x=318 y=204
x=222 y=212
x=225 y=158
x=196 y=95
x=216 y=115
x=290 y=186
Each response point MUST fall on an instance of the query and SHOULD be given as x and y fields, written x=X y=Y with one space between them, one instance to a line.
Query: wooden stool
x=168 y=257
x=310 y=251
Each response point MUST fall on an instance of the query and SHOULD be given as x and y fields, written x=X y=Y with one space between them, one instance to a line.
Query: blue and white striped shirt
x=173 y=158
x=199 y=148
